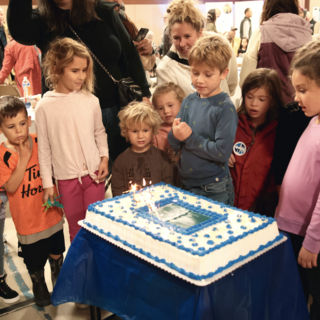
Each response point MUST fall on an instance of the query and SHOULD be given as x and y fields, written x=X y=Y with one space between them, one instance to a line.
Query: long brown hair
x=82 y=12
x=269 y=79
x=273 y=7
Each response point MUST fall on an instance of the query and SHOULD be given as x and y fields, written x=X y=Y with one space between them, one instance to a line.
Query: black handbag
x=128 y=91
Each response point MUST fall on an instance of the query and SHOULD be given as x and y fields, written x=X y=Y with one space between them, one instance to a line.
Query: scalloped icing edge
x=181 y=273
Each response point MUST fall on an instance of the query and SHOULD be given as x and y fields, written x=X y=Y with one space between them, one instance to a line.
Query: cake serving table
x=100 y=274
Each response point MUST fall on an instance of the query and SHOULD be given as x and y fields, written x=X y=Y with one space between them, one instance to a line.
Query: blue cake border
x=143 y=212
x=190 y=275
x=196 y=251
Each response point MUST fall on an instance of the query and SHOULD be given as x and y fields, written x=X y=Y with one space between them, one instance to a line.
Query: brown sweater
x=131 y=167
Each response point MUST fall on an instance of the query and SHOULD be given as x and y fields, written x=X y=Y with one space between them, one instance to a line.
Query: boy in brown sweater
x=138 y=123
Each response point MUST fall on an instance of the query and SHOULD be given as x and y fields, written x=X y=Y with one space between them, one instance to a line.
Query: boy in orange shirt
x=40 y=232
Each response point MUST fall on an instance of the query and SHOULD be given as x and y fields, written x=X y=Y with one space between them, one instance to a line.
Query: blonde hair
x=213 y=51
x=60 y=55
x=168 y=88
x=307 y=61
x=180 y=11
x=134 y=114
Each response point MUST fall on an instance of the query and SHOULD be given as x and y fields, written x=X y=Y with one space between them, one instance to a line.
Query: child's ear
x=29 y=121
x=224 y=74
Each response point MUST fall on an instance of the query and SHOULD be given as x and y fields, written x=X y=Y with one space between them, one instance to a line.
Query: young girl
x=253 y=149
x=243 y=47
x=72 y=140
x=298 y=211
x=167 y=100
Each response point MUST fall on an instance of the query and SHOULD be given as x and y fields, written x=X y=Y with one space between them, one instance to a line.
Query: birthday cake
x=190 y=236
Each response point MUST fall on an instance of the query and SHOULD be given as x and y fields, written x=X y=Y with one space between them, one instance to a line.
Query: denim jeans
x=116 y=143
x=221 y=191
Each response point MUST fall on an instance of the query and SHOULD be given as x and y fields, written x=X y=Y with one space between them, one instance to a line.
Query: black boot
x=40 y=290
x=55 y=266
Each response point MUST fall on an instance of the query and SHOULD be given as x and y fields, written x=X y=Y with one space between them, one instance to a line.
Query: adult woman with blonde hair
x=100 y=28
x=186 y=24
x=274 y=43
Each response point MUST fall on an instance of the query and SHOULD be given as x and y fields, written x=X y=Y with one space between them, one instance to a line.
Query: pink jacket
x=25 y=61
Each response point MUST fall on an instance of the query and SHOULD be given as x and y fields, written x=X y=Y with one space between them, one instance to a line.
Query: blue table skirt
x=96 y=272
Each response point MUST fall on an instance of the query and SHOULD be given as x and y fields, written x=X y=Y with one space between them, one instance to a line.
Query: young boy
x=40 y=232
x=6 y=293
x=206 y=125
x=138 y=123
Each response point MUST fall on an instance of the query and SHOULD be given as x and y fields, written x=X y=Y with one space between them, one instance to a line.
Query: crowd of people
x=260 y=157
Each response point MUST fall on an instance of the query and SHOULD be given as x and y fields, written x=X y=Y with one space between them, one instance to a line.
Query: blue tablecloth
x=98 y=273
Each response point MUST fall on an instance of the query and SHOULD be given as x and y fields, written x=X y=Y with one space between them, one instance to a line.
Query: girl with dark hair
x=100 y=28
x=211 y=21
x=254 y=143
x=274 y=43
x=243 y=47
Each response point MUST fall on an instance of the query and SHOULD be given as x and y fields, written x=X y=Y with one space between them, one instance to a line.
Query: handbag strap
x=94 y=57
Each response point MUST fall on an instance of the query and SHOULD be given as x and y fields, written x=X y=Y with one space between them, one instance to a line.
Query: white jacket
x=179 y=73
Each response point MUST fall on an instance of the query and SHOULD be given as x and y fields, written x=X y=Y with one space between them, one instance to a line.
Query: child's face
x=140 y=137
x=207 y=80
x=307 y=94
x=257 y=103
x=16 y=129
x=73 y=76
x=244 y=43
x=168 y=107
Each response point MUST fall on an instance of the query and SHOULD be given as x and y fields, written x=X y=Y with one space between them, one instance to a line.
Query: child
x=206 y=125
x=167 y=100
x=253 y=148
x=40 y=232
x=298 y=212
x=243 y=47
x=6 y=293
x=139 y=122
x=72 y=140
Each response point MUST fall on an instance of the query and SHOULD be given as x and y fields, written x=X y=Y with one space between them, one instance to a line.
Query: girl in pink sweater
x=298 y=211
x=71 y=137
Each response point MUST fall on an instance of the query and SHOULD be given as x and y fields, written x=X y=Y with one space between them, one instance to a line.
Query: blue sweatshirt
x=205 y=154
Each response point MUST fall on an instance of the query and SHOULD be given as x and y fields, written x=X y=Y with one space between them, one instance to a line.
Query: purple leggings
x=76 y=198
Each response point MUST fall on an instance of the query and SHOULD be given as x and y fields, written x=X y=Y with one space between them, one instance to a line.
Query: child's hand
x=181 y=130
x=103 y=169
x=48 y=193
x=232 y=160
x=24 y=151
x=307 y=259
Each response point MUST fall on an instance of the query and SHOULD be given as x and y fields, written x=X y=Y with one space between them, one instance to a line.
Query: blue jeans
x=116 y=143
x=221 y=191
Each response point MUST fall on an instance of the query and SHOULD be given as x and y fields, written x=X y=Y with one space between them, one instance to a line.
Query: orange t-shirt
x=28 y=214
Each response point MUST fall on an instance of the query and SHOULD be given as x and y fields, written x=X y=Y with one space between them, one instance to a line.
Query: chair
x=9 y=90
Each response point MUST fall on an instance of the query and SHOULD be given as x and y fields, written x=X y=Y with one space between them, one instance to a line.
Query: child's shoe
x=55 y=266
x=40 y=289
x=6 y=293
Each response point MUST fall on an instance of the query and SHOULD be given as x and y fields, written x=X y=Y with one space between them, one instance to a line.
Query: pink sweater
x=298 y=210
x=71 y=136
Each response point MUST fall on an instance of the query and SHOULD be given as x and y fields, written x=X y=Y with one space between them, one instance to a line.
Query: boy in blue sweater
x=206 y=125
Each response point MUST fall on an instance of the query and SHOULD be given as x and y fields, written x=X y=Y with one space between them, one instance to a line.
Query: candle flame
x=144 y=182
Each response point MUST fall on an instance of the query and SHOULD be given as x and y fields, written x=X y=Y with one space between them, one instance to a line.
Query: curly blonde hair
x=134 y=114
x=167 y=88
x=180 y=11
x=213 y=50
x=61 y=54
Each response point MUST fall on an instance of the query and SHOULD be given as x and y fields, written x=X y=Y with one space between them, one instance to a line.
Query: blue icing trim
x=110 y=211
x=181 y=270
x=215 y=229
x=201 y=249
x=238 y=220
x=253 y=220
x=179 y=237
x=210 y=242
x=179 y=241
x=167 y=191
x=192 y=239
x=230 y=232
x=228 y=226
x=243 y=227
x=195 y=244
x=219 y=237
x=207 y=236
x=134 y=222
x=162 y=196
x=195 y=235
x=117 y=201
x=210 y=207
x=158 y=228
